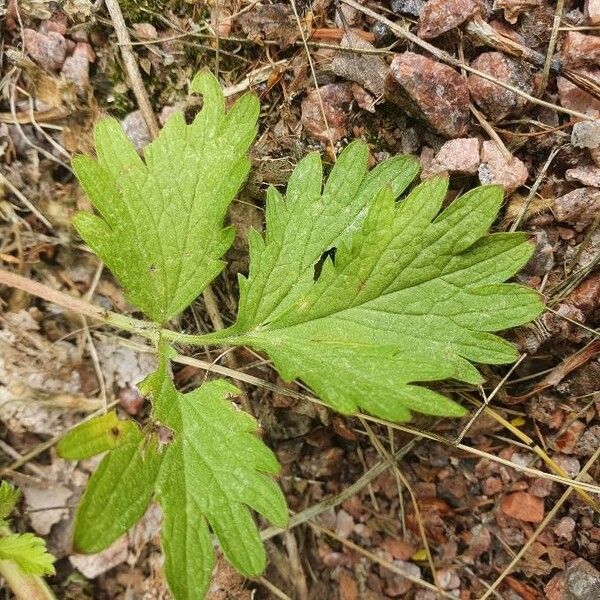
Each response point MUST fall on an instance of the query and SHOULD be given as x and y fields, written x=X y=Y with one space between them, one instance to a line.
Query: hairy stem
x=144 y=329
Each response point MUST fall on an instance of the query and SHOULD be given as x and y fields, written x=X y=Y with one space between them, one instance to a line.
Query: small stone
x=566 y=442
x=569 y=463
x=145 y=31
x=496 y=169
x=582 y=580
x=439 y=16
x=76 y=67
x=397 y=548
x=513 y=8
x=589 y=442
x=136 y=129
x=368 y=70
x=348 y=586
x=492 y=486
x=580 y=50
x=448 y=579
x=496 y=101
x=523 y=506
x=564 y=528
x=572 y=97
x=336 y=99
x=431 y=91
x=577 y=208
x=408 y=7
x=344 y=523
x=586 y=134
x=479 y=542
x=458 y=156
x=588 y=175
x=48 y=51
x=541 y=487
x=592 y=11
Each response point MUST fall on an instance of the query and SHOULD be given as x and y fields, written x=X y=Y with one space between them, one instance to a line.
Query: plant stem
x=24 y=587
x=146 y=329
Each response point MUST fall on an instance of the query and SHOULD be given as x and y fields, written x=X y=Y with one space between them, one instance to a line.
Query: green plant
x=411 y=296
x=23 y=556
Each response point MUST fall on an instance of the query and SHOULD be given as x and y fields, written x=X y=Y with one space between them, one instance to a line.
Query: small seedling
x=23 y=556
x=407 y=293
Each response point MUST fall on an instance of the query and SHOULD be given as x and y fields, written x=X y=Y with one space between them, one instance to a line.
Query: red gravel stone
x=580 y=50
x=439 y=16
x=496 y=101
x=523 y=506
x=431 y=91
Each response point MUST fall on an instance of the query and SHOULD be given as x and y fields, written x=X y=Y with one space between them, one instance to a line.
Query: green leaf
x=29 y=552
x=213 y=468
x=308 y=223
x=411 y=296
x=160 y=224
x=9 y=496
x=118 y=493
x=98 y=435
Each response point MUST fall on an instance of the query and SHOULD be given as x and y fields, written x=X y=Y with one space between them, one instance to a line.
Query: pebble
x=579 y=581
x=588 y=175
x=336 y=98
x=48 y=51
x=586 y=134
x=439 y=16
x=458 y=156
x=592 y=11
x=344 y=523
x=448 y=579
x=397 y=548
x=76 y=67
x=523 y=506
x=564 y=528
x=541 y=487
x=580 y=50
x=577 y=208
x=569 y=463
x=572 y=97
x=496 y=101
x=513 y=8
x=368 y=70
x=408 y=7
x=431 y=91
x=136 y=129
x=496 y=169
x=589 y=442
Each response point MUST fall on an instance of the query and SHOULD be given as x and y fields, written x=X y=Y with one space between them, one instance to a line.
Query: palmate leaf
x=410 y=297
x=160 y=224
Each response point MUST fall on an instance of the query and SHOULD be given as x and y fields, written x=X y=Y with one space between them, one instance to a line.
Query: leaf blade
x=413 y=295
x=160 y=229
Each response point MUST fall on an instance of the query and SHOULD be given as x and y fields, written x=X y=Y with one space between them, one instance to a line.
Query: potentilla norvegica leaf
x=411 y=295
x=215 y=466
x=204 y=477
x=362 y=295
x=160 y=223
